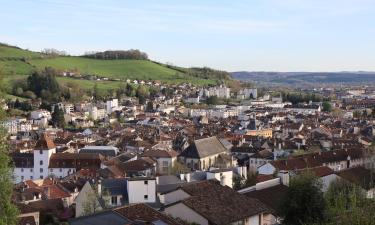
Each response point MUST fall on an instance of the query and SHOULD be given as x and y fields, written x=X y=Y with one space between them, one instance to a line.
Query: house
x=141 y=190
x=81 y=202
x=65 y=164
x=103 y=218
x=336 y=160
x=204 y=153
x=116 y=189
x=224 y=176
x=27 y=215
x=130 y=214
x=34 y=165
x=165 y=159
x=109 y=193
x=273 y=198
x=208 y=202
x=106 y=151
x=139 y=167
x=361 y=177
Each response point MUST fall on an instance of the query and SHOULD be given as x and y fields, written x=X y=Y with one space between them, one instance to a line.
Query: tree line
x=134 y=54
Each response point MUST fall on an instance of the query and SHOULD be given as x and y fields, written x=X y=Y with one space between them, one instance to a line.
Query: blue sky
x=253 y=35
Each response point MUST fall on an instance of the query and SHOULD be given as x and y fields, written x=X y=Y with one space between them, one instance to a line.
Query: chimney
x=187 y=177
x=348 y=161
x=100 y=188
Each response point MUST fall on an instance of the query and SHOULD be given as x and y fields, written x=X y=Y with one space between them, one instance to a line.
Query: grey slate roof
x=102 y=218
x=204 y=147
x=103 y=150
x=115 y=186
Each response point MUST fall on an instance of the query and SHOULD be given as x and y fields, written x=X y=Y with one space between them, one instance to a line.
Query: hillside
x=120 y=69
x=305 y=78
x=7 y=51
x=17 y=63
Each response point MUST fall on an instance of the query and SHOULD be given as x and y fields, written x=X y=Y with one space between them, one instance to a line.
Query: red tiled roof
x=156 y=153
x=45 y=143
x=262 y=178
x=142 y=212
x=56 y=192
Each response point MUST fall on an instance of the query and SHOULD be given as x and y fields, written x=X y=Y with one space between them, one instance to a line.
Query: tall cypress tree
x=8 y=211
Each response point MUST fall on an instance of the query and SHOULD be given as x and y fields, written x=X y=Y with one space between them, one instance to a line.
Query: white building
x=38 y=114
x=13 y=126
x=248 y=93
x=97 y=114
x=112 y=105
x=141 y=190
x=220 y=92
x=34 y=165
x=225 y=176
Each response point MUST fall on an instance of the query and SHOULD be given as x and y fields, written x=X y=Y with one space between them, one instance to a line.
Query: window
x=31 y=170
x=114 y=200
x=51 y=170
x=41 y=152
x=22 y=177
x=41 y=170
x=41 y=177
x=146 y=182
x=21 y=169
x=145 y=197
x=31 y=177
x=60 y=170
x=41 y=162
x=165 y=164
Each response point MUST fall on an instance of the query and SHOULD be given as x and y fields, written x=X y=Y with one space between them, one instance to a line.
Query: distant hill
x=305 y=78
x=16 y=63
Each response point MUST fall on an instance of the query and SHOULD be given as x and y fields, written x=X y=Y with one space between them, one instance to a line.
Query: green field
x=88 y=84
x=16 y=63
x=15 y=67
x=14 y=52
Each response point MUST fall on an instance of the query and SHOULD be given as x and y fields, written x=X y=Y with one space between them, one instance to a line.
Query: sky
x=231 y=35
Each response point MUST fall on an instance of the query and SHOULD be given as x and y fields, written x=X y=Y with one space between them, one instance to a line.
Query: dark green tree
x=142 y=94
x=149 y=106
x=8 y=211
x=58 y=119
x=129 y=90
x=212 y=100
x=327 y=107
x=304 y=202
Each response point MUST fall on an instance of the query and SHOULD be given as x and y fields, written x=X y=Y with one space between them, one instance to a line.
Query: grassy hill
x=17 y=63
x=7 y=51
x=132 y=69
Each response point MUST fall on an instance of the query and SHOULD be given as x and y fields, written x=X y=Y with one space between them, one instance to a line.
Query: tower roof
x=44 y=143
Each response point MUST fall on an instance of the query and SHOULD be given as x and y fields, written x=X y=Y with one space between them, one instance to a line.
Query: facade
x=263 y=132
x=141 y=190
x=112 y=105
x=34 y=165
x=204 y=153
x=44 y=162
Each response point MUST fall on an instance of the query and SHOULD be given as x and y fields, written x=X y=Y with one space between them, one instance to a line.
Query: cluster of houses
x=130 y=163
